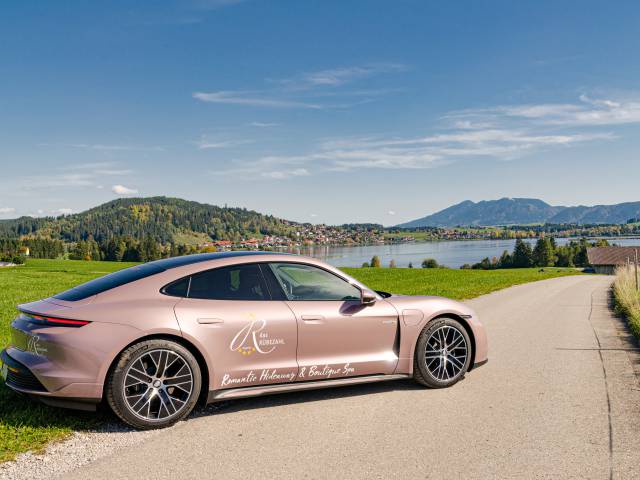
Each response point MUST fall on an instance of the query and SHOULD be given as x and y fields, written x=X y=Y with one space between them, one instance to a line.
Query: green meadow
x=445 y=282
x=28 y=425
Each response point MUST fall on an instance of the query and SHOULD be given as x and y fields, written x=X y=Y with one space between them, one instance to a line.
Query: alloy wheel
x=446 y=353
x=158 y=385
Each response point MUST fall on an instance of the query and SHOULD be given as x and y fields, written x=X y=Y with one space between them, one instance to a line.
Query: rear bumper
x=19 y=378
x=60 y=365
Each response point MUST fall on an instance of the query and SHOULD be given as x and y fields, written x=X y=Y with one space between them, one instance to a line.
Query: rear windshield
x=110 y=281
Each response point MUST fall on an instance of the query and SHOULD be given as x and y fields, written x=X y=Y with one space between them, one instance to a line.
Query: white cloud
x=122 y=190
x=303 y=90
x=213 y=4
x=283 y=174
x=587 y=112
x=7 y=210
x=59 y=180
x=205 y=143
x=96 y=169
x=104 y=147
x=264 y=124
x=404 y=153
x=391 y=212
x=335 y=77
x=243 y=98
x=73 y=175
x=501 y=132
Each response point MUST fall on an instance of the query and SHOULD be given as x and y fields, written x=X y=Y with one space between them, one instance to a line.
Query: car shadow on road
x=292 y=398
x=27 y=412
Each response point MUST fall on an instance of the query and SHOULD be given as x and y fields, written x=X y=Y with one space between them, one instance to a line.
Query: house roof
x=612 y=255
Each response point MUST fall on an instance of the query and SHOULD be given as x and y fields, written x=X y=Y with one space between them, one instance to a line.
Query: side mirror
x=367 y=297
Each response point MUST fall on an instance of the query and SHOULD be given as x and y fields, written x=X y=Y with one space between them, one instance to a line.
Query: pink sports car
x=154 y=339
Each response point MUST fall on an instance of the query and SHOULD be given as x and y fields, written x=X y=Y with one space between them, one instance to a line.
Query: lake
x=452 y=253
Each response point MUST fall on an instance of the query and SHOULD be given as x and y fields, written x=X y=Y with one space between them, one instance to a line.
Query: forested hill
x=164 y=219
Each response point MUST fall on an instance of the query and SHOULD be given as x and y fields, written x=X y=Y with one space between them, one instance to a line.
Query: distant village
x=372 y=234
x=308 y=235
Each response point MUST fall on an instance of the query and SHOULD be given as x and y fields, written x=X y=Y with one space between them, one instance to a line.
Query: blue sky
x=320 y=111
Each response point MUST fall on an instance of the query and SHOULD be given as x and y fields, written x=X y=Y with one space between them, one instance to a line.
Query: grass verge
x=29 y=425
x=457 y=284
x=25 y=424
x=627 y=297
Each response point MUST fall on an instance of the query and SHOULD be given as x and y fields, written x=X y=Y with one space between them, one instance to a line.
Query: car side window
x=179 y=288
x=306 y=282
x=236 y=282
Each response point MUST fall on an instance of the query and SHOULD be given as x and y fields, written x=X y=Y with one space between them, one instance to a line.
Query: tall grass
x=627 y=297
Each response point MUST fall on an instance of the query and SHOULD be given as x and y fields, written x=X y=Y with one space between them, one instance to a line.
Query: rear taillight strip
x=55 y=321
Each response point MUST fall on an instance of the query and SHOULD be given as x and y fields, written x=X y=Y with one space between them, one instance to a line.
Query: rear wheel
x=443 y=353
x=154 y=384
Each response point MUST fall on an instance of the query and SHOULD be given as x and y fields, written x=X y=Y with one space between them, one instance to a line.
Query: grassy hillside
x=28 y=425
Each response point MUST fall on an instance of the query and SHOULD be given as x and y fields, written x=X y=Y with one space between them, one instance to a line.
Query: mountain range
x=523 y=211
x=174 y=220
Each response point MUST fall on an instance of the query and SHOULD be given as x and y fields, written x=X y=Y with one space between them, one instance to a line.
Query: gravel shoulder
x=559 y=398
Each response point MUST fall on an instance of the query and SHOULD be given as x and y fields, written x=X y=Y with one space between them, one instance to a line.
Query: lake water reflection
x=450 y=253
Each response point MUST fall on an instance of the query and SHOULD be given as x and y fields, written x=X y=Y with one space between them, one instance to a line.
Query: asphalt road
x=559 y=398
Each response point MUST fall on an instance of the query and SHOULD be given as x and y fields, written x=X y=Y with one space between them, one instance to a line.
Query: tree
x=522 y=254
x=149 y=250
x=392 y=264
x=564 y=256
x=580 y=258
x=429 y=263
x=410 y=265
x=506 y=261
x=543 y=254
x=484 y=264
x=375 y=261
x=365 y=265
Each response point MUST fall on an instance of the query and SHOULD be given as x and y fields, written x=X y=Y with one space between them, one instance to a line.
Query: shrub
x=375 y=261
x=365 y=265
x=627 y=298
x=392 y=264
x=430 y=263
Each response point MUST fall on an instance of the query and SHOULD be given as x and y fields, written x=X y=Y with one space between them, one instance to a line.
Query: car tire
x=435 y=363
x=154 y=384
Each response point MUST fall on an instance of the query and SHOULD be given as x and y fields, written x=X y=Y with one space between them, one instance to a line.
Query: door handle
x=312 y=318
x=209 y=321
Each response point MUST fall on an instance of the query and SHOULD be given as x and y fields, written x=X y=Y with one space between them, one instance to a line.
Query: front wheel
x=443 y=353
x=154 y=384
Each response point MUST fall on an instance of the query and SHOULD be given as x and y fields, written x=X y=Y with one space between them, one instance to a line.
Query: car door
x=338 y=336
x=250 y=339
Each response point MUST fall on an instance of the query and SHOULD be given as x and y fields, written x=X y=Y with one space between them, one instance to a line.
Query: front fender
x=417 y=312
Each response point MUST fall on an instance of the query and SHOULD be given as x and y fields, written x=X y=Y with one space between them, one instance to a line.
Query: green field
x=457 y=284
x=28 y=425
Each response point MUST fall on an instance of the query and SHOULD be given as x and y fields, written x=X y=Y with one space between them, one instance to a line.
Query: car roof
x=145 y=270
x=167 y=263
